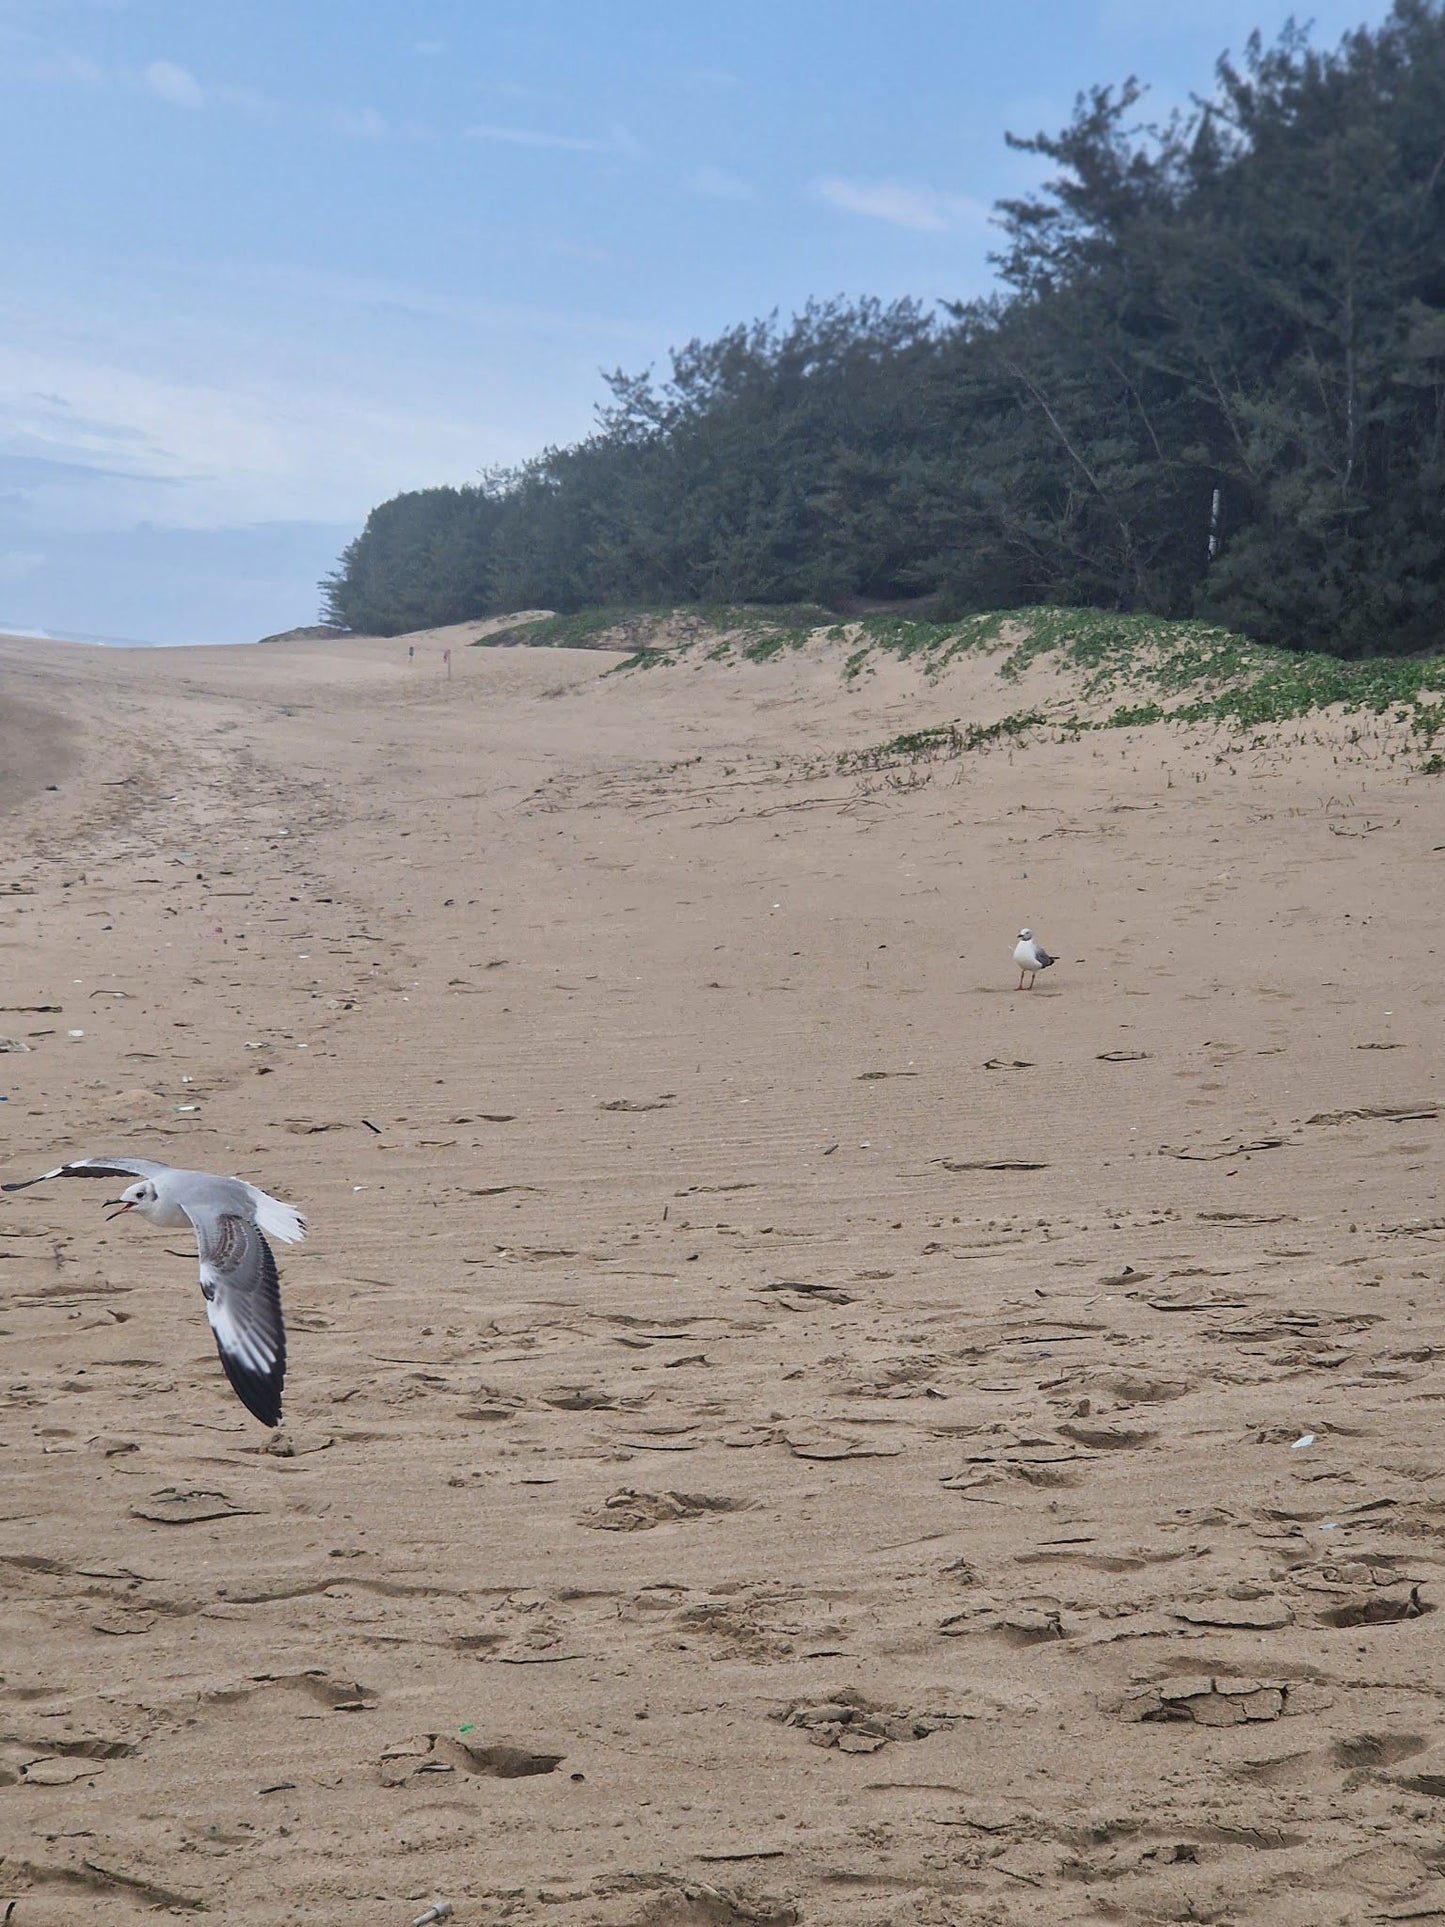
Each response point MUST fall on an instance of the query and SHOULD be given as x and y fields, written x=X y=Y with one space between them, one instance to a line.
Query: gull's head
x=142 y=1197
x=1026 y=936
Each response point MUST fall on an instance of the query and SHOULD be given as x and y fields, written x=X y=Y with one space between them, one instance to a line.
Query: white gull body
x=1031 y=958
x=239 y=1280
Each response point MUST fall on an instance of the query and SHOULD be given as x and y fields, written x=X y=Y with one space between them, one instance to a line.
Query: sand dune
x=782 y=1427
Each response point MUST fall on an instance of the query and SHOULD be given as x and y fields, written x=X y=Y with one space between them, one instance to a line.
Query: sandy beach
x=781 y=1427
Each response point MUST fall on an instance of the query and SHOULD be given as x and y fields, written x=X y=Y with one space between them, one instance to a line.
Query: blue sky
x=267 y=264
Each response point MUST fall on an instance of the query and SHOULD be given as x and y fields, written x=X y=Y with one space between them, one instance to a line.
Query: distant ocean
x=101 y=642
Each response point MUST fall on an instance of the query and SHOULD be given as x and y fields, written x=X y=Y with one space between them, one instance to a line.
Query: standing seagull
x=239 y=1281
x=1031 y=958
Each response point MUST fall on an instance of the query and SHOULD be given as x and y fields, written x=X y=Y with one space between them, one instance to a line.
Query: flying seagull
x=239 y=1281
x=1031 y=958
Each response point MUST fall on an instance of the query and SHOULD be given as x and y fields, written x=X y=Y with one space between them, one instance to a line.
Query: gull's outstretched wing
x=243 y=1303
x=94 y=1168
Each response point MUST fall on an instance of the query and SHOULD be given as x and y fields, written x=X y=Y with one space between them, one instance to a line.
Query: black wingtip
x=259 y=1392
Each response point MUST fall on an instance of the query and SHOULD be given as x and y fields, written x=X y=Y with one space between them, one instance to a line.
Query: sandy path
x=781 y=1427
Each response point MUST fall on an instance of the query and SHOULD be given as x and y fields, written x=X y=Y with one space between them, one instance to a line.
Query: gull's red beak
x=124 y=1207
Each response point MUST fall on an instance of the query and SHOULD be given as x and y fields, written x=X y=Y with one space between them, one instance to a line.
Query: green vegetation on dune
x=1128 y=671
x=1184 y=672
x=586 y=629
x=941 y=742
x=764 y=630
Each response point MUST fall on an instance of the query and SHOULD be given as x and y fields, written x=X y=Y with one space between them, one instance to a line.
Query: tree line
x=1212 y=383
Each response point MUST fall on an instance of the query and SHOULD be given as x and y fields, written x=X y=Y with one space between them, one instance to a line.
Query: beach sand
x=781 y=1426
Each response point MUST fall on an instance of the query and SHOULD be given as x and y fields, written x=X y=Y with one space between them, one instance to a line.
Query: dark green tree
x=1246 y=304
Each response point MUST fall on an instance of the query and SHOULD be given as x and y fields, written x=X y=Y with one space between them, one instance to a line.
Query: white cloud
x=366 y=294
x=246 y=97
x=923 y=209
x=534 y=137
x=67 y=69
x=578 y=251
x=181 y=407
x=205 y=454
x=718 y=185
x=178 y=87
x=517 y=90
x=168 y=82
x=366 y=125
x=619 y=140
x=18 y=565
